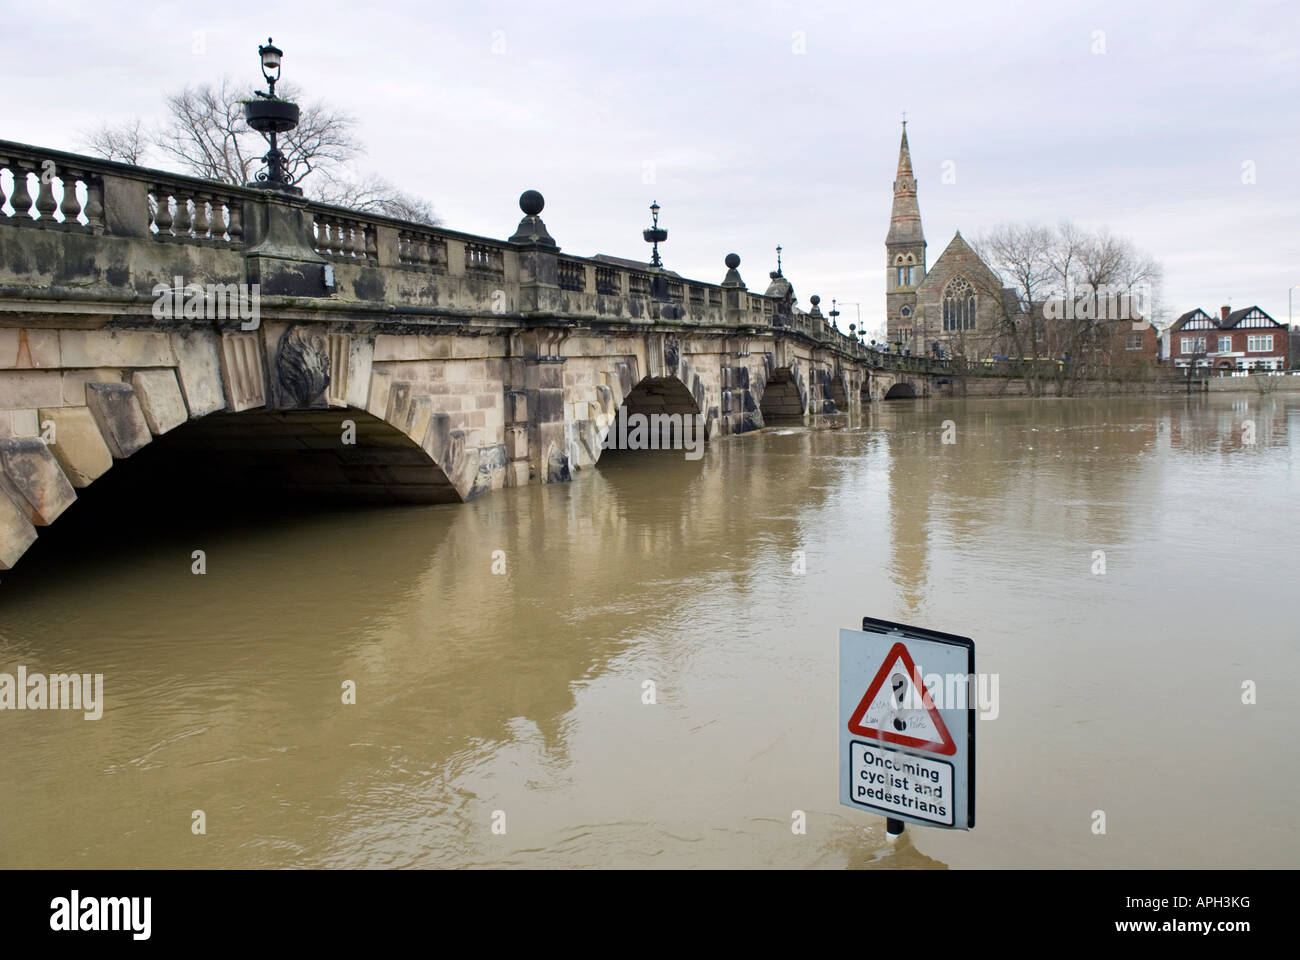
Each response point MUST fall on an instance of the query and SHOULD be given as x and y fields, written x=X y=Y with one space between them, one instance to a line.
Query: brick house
x=1246 y=339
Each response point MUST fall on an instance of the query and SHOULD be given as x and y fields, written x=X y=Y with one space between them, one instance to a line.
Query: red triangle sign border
x=899 y=651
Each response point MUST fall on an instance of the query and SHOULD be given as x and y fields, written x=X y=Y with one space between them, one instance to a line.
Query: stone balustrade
x=478 y=274
x=69 y=196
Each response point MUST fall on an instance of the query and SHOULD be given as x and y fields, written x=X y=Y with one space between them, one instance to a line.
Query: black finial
x=531 y=203
x=732 y=261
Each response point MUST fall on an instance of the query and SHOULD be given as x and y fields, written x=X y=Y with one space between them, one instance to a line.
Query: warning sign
x=897 y=708
x=907 y=724
x=906 y=784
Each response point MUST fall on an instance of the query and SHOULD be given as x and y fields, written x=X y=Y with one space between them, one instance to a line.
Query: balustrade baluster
x=372 y=245
x=163 y=215
x=181 y=221
x=21 y=197
x=200 y=216
x=94 y=208
x=235 y=220
x=45 y=204
x=71 y=206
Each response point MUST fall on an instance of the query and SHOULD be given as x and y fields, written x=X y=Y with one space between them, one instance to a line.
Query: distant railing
x=344 y=238
x=607 y=281
x=421 y=248
x=483 y=258
x=572 y=275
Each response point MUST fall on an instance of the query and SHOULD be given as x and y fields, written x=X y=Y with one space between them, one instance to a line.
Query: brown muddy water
x=517 y=698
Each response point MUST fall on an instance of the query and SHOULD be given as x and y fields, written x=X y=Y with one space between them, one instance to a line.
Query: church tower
x=904 y=251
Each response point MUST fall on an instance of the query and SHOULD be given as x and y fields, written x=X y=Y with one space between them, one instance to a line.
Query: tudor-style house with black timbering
x=956 y=307
x=1236 y=340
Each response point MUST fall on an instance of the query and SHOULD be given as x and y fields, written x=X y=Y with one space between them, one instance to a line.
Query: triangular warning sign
x=897 y=708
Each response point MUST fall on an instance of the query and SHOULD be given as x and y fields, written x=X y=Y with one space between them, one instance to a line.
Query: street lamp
x=656 y=235
x=269 y=116
x=270 y=55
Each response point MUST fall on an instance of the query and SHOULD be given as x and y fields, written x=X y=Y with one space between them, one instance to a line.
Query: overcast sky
x=748 y=141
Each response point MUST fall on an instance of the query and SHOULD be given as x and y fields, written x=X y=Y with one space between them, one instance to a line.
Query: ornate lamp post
x=269 y=116
x=656 y=235
x=835 y=310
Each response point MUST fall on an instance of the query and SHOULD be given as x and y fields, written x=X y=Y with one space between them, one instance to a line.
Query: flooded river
x=517 y=699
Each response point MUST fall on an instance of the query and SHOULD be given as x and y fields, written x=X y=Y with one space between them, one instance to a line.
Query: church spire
x=905 y=219
x=904 y=156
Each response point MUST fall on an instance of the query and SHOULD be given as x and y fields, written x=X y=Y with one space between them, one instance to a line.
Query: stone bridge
x=271 y=339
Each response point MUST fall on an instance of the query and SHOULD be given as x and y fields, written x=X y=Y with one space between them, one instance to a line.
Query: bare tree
x=374 y=194
x=1075 y=291
x=126 y=142
x=204 y=133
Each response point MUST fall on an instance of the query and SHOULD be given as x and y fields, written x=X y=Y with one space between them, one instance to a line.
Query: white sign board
x=907 y=724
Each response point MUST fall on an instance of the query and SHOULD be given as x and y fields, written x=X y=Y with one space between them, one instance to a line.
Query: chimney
x=1223 y=312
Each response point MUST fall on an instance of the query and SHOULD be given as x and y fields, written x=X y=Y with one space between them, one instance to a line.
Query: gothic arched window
x=958 y=305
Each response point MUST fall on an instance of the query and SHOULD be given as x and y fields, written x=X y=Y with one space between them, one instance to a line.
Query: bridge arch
x=784 y=394
x=902 y=390
x=325 y=454
x=658 y=413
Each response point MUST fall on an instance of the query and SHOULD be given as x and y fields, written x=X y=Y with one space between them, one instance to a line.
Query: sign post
x=907 y=725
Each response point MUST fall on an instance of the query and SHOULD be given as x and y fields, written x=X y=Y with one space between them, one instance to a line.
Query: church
x=955 y=308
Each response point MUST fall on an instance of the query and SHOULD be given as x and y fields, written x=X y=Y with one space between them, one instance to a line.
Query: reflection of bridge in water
x=387 y=361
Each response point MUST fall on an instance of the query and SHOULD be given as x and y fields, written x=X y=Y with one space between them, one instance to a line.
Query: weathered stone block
x=19 y=423
x=115 y=348
x=198 y=370
x=74 y=383
x=119 y=417
x=389 y=347
x=399 y=400
x=160 y=399
x=361 y=352
x=78 y=445
x=243 y=372
x=33 y=479
x=31 y=388
x=517 y=474
x=21 y=349
x=418 y=412
x=517 y=443
x=16 y=532
x=471 y=347
x=381 y=381
x=516 y=406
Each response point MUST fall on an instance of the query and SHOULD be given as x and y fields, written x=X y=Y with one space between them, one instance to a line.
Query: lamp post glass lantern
x=271 y=116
